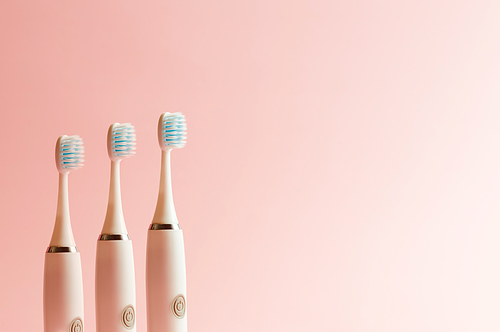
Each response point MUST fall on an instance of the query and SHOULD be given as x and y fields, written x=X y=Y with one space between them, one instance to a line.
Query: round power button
x=128 y=317
x=76 y=325
x=179 y=306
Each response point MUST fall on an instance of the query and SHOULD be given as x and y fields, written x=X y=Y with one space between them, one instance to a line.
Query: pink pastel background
x=342 y=171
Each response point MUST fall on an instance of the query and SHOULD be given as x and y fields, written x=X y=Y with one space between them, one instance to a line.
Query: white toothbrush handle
x=63 y=292
x=115 y=286
x=166 y=281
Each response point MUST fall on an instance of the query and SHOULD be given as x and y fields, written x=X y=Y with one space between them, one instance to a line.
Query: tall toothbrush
x=62 y=280
x=165 y=262
x=115 y=275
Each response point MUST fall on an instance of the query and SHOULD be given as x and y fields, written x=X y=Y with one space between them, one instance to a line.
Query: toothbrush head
x=69 y=153
x=121 y=141
x=172 y=131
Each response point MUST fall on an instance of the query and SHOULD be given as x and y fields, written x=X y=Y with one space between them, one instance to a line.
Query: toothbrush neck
x=165 y=210
x=114 y=222
x=62 y=234
x=62 y=199
x=165 y=177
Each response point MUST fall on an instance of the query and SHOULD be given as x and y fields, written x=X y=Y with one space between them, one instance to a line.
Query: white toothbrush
x=62 y=280
x=115 y=275
x=165 y=262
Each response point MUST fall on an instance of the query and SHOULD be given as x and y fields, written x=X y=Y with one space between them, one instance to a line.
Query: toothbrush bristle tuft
x=71 y=153
x=172 y=130
x=123 y=141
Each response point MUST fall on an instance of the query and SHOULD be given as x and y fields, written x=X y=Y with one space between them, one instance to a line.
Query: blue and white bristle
x=172 y=131
x=71 y=153
x=123 y=141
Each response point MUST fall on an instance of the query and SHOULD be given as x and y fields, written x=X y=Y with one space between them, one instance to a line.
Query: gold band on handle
x=154 y=227
x=113 y=237
x=61 y=249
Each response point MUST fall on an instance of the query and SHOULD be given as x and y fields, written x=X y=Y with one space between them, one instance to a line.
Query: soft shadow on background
x=342 y=169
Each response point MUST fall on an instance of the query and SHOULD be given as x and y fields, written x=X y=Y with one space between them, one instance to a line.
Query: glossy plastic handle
x=166 y=281
x=63 y=292
x=115 y=287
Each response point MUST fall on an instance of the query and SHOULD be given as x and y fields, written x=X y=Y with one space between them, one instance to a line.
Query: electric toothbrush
x=115 y=274
x=62 y=280
x=165 y=261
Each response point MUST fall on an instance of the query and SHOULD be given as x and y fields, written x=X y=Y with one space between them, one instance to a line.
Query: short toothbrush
x=62 y=280
x=165 y=262
x=115 y=275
